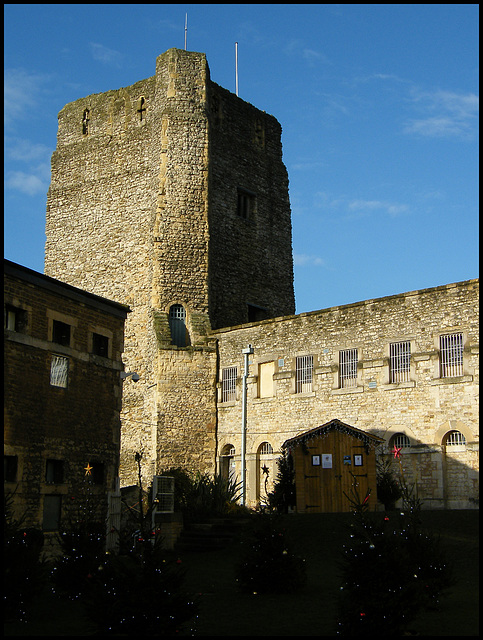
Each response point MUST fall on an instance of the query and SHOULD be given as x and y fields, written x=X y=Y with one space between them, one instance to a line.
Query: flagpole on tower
x=185 y=31
x=236 y=68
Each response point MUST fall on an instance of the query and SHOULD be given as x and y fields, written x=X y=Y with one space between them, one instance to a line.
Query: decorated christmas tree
x=391 y=570
x=267 y=563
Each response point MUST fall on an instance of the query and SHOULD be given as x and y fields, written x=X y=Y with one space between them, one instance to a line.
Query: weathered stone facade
x=171 y=196
x=62 y=396
x=172 y=192
x=425 y=408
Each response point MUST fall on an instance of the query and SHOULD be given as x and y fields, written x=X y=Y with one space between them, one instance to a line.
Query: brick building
x=171 y=196
x=62 y=397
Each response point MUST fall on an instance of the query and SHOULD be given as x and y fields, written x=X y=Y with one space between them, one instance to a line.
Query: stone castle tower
x=171 y=196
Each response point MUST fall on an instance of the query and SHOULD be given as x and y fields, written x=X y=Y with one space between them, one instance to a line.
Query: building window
x=265 y=379
x=59 y=370
x=52 y=510
x=15 y=319
x=100 y=345
x=304 y=367
x=399 y=361
x=265 y=449
x=451 y=358
x=54 y=471
x=141 y=108
x=177 y=326
x=348 y=368
x=61 y=333
x=85 y=122
x=455 y=439
x=400 y=441
x=228 y=384
x=10 y=466
x=245 y=204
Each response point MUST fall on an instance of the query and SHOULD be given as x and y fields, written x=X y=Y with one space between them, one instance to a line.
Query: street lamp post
x=246 y=352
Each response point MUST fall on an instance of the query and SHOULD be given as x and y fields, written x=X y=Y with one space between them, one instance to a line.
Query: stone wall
x=425 y=408
x=76 y=424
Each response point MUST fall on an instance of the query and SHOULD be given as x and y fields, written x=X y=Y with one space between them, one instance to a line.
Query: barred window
x=59 y=370
x=265 y=448
x=454 y=439
x=400 y=441
x=399 y=361
x=451 y=350
x=348 y=368
x=228 y=384
x=304 y=367
x=177 y=326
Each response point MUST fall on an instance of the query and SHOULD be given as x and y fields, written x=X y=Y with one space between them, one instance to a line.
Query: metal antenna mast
x=236 y=68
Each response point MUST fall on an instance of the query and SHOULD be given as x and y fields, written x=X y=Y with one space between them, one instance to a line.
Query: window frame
x=59 y=379
x=304 y=374
x=229 y=377
x=399 y=361
x=451 y=349
x=100 y=344
x=348 y=365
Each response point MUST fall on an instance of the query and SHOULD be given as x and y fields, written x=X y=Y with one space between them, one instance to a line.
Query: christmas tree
x=391 y=570
x=267 y=563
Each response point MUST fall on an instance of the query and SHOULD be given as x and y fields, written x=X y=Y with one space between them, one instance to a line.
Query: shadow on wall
x=443 y=475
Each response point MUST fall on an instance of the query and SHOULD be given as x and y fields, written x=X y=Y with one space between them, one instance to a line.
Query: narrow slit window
x=141 y=108
x=245 y=204
x=85 y=122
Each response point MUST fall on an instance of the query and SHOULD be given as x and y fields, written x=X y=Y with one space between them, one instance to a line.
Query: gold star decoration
x=88 y=469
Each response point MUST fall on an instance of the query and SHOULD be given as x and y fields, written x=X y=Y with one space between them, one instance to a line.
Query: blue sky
x=378 y=106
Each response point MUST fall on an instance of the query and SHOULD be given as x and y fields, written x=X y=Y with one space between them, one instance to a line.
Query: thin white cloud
x=296 y=48
x=444 y=114
x=29 y=184
x=105 y=55
x=392 y=208
x=358 y=207
x=304 y=260
x=26 y=151
x=21 y=92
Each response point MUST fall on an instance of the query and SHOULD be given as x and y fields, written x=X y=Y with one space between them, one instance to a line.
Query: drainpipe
x=246 y=352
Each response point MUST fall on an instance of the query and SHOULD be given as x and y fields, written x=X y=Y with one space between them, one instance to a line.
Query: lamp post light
x=246 y=352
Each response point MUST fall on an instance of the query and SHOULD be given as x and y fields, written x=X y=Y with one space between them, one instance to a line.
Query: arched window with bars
x=177 y=326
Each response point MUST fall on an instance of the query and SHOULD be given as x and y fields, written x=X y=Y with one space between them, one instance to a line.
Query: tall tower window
x=177 y=326
x=85 y=122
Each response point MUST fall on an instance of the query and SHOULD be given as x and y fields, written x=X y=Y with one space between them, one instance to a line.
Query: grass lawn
x=224 y=611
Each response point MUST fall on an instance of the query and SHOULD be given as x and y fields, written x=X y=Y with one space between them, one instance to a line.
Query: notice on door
x=326 y=461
